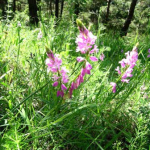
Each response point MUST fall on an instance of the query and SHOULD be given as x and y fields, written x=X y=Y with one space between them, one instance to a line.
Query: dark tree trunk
x=77 y=9
x=124 y=30
x=62 y=7
x=56 y=8
x=50 y=7
x=108 y=8
x=14 y=6
x=3 y=6
x=33 y=12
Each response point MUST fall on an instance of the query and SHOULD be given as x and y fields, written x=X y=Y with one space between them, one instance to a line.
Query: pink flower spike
x=93 y=58
x=55 y=83
x=117 y=69
x=85 y=40
x=113 y=84
x=148 y=50
x=148 y=56
x=80 y=59
x=63 y=87
x=102 y=56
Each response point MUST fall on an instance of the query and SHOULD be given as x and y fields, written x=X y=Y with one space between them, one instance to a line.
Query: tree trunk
x=108 y=8
x=124 y=30
x=14 y=6
x=3 y=5
x=50 y=7
x=62 y=6
x=33 y=12
x=77 y=9
x=56 y=8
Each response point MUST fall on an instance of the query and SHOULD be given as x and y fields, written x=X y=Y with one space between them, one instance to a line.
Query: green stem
x=19 y=44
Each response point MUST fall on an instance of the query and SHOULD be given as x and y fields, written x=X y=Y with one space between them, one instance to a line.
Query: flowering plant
x=87 y=47
x=127 y=65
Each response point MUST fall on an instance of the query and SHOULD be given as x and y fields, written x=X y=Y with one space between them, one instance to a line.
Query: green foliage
x=33 y=117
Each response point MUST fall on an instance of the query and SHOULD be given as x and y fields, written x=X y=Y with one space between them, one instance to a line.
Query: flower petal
x=55 y=83
x=80 y=59
x=93 y=58
x=63 y=87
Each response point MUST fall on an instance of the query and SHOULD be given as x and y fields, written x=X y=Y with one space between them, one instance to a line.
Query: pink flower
x=128 y=63
x=117 y=69
x=80 y=79
x=102 y=56
x=63 y=87
x=65 y=79
x=131 y=59
x=55 y=77
x=87 y=68
x=64 y=70
x=93 y=58
x=53 y=63
x=125 y=80
x=122 y=62
x=71 y=89
x=94 y=50
x=85 y=41
x=80 y=59
x=64 y=75
x=60 y=93
x=55 y=83
x=86 y=45
x=113 y=84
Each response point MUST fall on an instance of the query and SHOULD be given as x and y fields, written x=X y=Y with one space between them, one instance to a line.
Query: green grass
x=33 y=117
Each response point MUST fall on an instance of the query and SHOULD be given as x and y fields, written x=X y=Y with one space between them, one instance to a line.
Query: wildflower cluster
x=86 y=45
x=60 y=76
x=127 y=65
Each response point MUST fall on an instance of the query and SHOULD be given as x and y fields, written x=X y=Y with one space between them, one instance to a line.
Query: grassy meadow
x=32 y=117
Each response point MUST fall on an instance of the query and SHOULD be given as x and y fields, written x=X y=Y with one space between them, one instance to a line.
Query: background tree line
x=113 y=14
